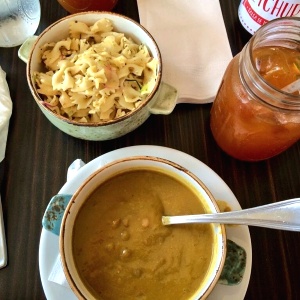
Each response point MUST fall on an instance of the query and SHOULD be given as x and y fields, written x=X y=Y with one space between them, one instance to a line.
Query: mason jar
x=255 y=114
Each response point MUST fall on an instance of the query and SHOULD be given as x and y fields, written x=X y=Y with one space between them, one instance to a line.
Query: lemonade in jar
x=256 y=113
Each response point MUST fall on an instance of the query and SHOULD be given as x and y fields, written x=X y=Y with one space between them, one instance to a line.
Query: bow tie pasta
x=95 y=74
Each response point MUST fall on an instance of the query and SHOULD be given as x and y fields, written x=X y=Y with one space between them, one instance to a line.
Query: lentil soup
x=122 y=250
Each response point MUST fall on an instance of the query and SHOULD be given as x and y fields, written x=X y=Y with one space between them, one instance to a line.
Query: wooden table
x=38 y=155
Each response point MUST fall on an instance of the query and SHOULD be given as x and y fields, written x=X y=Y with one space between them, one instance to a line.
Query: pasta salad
x=95 y=74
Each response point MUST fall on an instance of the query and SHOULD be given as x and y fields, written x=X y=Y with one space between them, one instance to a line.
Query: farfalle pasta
x=95 y=74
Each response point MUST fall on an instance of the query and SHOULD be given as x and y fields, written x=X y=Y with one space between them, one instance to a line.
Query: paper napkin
x=5 y=112
x=193 y=42
x=57 y=274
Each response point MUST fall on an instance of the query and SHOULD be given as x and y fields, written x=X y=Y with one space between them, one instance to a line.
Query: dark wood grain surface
x=38 y=155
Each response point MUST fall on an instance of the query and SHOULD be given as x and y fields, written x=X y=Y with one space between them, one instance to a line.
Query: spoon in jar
x=283 y=215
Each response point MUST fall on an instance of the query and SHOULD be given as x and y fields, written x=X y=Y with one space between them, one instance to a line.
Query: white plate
x=49 y=243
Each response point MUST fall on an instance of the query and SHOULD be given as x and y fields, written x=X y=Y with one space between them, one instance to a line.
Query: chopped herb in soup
x=123 y=251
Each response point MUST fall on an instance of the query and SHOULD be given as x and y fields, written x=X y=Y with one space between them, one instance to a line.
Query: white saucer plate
x=49 y=242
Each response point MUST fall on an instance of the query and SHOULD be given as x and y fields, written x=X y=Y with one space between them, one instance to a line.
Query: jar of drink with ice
x=256 y=113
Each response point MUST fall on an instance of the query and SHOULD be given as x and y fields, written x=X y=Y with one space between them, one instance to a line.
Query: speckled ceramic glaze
x=54 y=213
x=162 y=99
x=235 y=264
x=91 y=183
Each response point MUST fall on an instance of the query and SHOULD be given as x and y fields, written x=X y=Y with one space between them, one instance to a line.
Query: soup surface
x=123 y=251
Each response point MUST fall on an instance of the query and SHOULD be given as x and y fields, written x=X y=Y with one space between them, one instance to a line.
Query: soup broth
x=123 y=251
